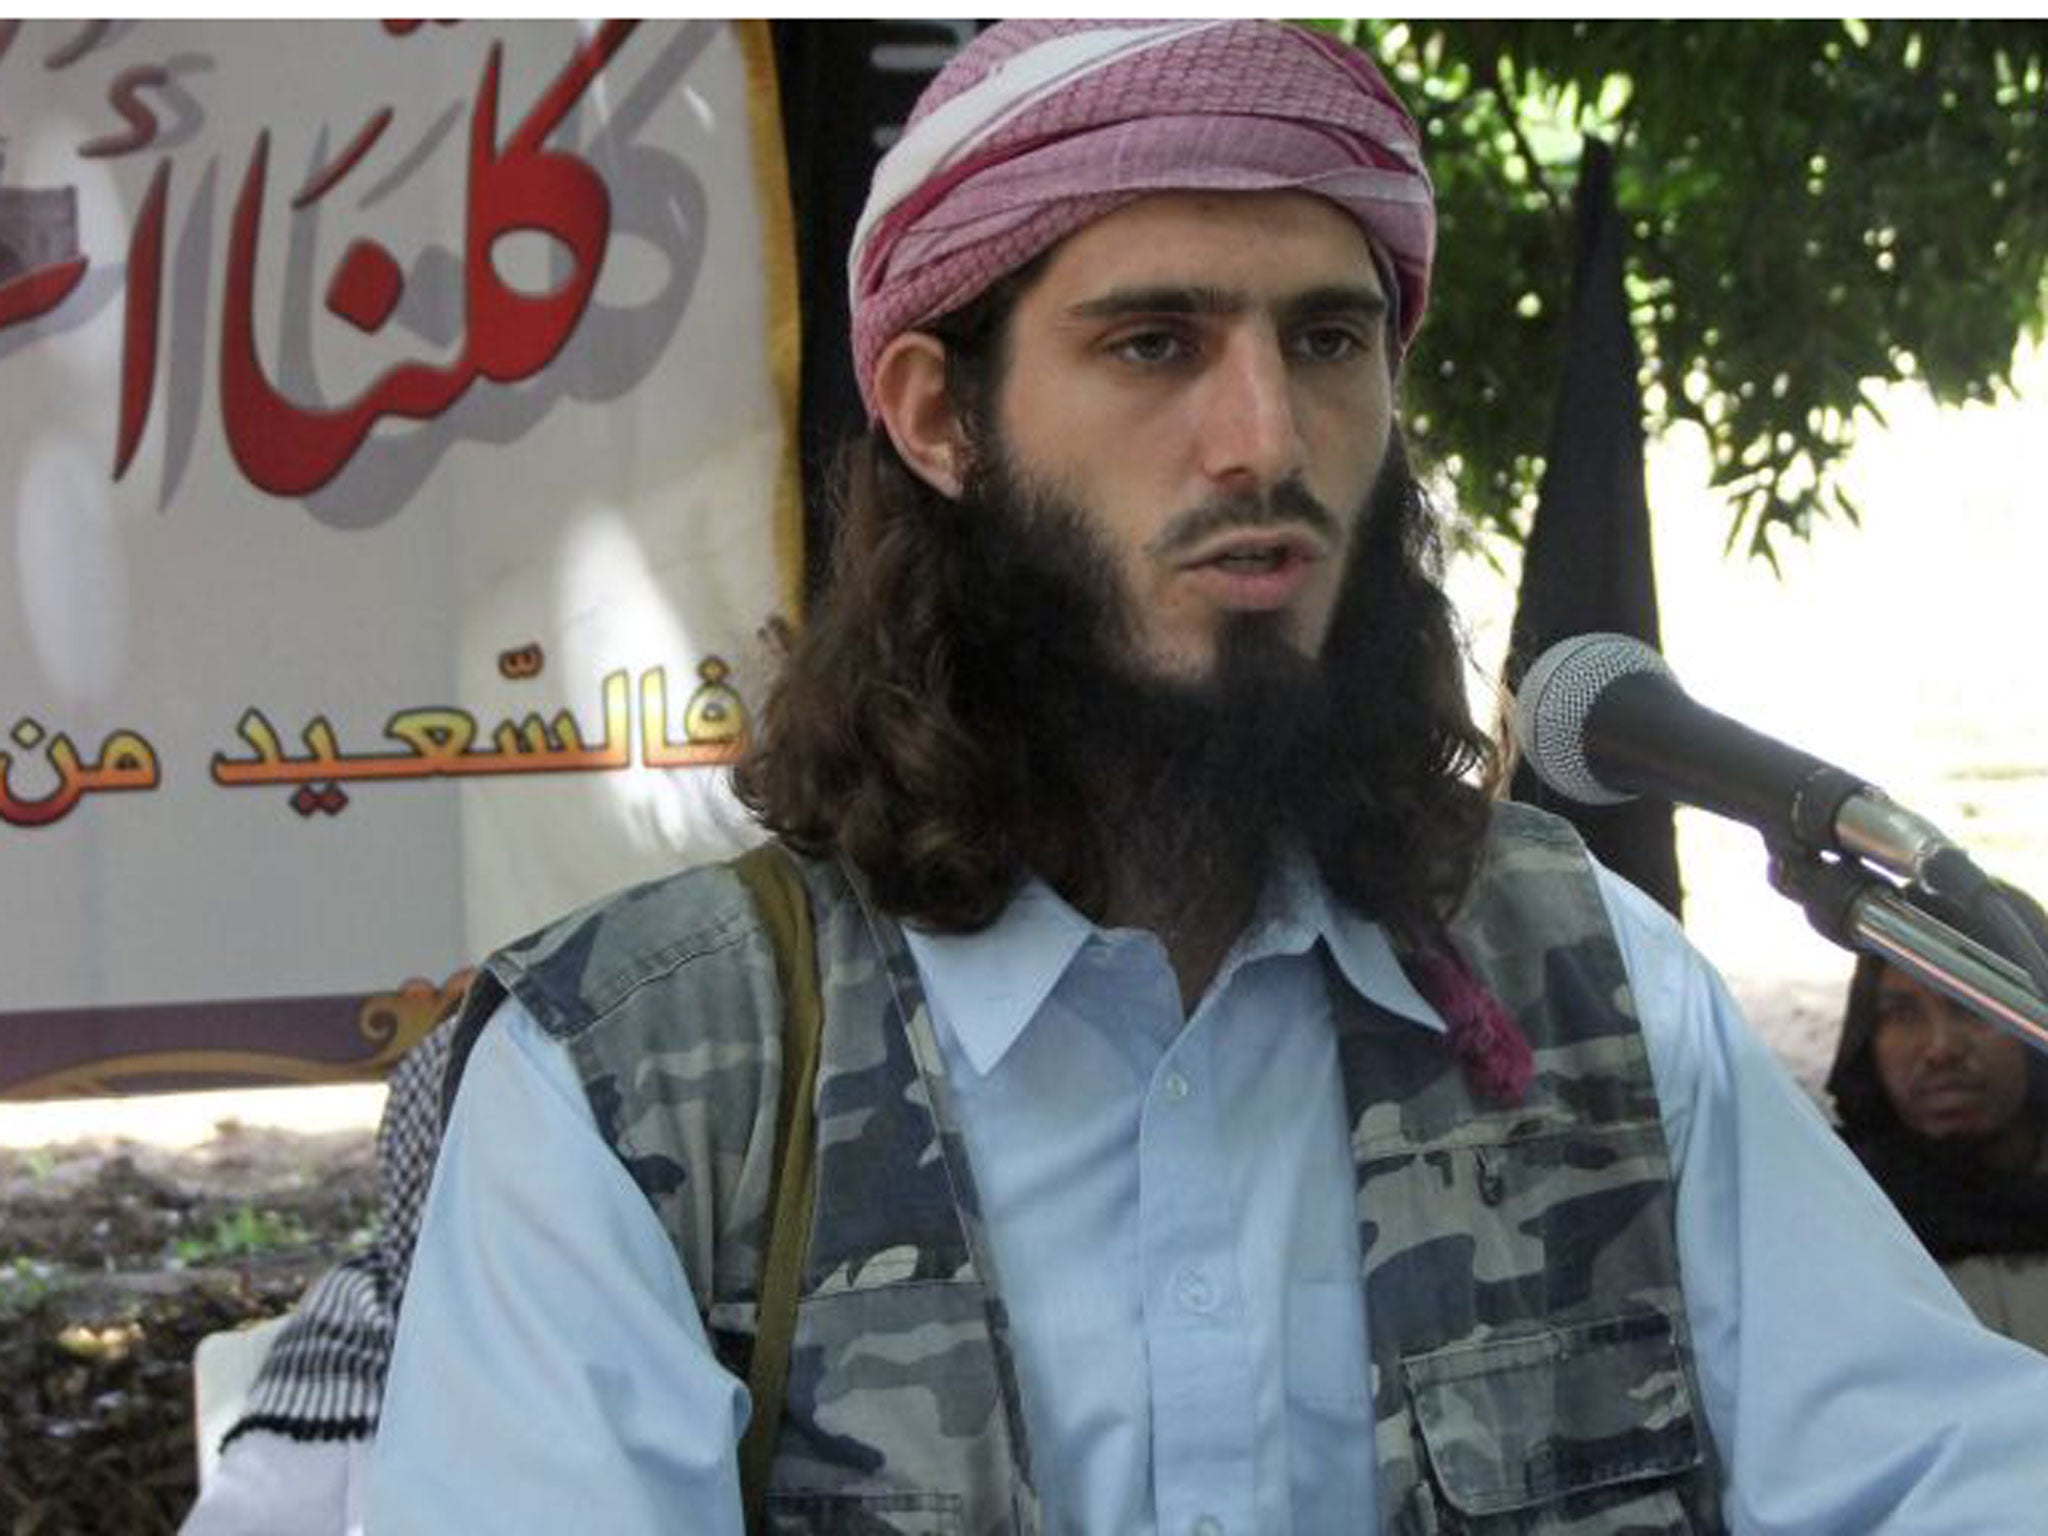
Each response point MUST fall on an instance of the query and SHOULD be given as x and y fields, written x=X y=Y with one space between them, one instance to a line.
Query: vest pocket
x=1556 y=1416
x=864 y=1514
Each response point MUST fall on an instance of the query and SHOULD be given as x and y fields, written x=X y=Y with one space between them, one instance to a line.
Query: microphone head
x=1558 y=694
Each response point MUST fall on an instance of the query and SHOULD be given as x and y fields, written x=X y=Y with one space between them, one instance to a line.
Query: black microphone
x=1601 y=719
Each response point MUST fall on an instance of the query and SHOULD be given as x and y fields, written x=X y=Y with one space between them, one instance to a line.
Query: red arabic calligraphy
x=291 y=446
x=88 y=37
x=290 y=449
x=39 y=292
x=319 y=186
x=138 y=351
x=125 y=96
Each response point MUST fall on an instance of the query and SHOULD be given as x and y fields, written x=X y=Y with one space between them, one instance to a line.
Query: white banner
x=396 y=437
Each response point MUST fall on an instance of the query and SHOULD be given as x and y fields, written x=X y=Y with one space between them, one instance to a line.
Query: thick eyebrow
x=1325 y=301
x=1352 y=300
x=1159 y=299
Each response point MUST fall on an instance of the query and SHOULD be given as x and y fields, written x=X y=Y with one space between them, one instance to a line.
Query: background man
x=1948 y=1114
x=1228 y=1120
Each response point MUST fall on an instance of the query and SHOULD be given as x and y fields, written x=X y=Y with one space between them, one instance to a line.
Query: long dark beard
x=1187 y=787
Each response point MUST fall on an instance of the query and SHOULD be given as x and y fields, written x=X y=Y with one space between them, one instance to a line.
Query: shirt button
x=1193 y=1290
x=1176 y=1086
x=1208 y=1525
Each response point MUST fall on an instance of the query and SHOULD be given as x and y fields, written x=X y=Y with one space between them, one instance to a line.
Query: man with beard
x=1950 y=1115
x=1227 y=1119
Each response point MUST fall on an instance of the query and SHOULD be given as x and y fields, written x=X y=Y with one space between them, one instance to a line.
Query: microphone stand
x=1849 y=906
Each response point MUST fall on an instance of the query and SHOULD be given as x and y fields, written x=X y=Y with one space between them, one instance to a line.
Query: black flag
x=1587 y=565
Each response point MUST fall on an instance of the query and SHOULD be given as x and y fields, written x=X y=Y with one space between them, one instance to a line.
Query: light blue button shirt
x=1169 y=1206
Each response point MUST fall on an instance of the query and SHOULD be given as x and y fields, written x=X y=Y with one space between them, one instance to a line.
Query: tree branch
x=1503 y=93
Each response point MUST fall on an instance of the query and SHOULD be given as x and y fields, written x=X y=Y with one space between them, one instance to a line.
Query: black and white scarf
x=323 y=1378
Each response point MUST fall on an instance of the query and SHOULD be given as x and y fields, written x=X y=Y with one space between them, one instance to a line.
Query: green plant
x=242 y=1233
x=26 y=1283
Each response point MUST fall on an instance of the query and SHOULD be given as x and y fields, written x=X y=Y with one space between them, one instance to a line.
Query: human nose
x=1251 y=434
x=1950 y=1037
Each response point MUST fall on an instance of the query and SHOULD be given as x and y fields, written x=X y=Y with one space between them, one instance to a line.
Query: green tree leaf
x=1813 y=207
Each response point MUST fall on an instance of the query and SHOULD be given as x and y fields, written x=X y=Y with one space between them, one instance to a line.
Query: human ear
x=911 y=399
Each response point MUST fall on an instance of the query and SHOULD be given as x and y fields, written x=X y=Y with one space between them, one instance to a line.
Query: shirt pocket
x=1598 y=1413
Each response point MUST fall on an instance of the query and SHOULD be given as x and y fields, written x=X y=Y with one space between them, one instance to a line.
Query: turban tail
x=1038 y=128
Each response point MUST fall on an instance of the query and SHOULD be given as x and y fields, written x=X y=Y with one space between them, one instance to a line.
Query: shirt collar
x=1297 y=909
x=986 y=987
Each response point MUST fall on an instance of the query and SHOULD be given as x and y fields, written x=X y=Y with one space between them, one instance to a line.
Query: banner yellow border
x=784 y=320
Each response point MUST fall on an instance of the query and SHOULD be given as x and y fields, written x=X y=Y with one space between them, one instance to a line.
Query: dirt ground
x=116 y=1257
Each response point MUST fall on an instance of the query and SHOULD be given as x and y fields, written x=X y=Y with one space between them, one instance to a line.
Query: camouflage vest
x=1531 y=1363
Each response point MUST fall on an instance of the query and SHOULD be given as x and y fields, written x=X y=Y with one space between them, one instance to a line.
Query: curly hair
x=892 y=739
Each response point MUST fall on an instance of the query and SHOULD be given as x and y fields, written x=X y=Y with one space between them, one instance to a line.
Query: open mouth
x=1254 y=572
x=1253 y=561
x=1254 y=551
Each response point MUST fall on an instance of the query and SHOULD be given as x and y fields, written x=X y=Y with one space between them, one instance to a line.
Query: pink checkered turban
x=1039 y=127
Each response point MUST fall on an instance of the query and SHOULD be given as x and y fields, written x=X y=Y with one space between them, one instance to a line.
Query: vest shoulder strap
x=771 y=879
